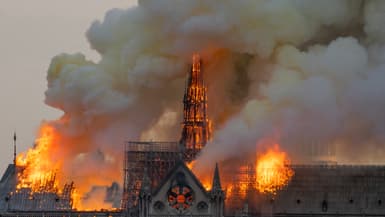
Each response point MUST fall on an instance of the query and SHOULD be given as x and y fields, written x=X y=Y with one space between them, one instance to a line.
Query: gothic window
x=158 y=206
x=202 y=206
x=180 y=196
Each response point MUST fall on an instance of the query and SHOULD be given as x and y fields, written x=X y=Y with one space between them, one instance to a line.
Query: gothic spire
x=216 y=180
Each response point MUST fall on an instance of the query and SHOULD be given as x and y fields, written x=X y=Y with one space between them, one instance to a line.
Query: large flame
x=41 y=166
x=270 y=173
x=272 y=170
x=37 y=165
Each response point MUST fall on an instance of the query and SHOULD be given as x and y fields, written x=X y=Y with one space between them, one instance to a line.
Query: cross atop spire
x=216 y=180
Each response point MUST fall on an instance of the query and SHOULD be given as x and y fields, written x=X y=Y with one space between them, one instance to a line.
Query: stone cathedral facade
x=181 y=194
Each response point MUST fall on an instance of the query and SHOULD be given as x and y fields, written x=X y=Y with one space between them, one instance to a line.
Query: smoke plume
x=303 y=72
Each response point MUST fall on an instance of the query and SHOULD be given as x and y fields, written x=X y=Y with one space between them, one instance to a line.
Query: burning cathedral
x=159 y=182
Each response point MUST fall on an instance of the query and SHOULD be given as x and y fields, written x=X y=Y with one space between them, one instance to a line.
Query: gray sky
x=31 y=33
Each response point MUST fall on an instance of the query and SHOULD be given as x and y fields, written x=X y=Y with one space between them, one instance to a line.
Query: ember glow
x=241 y=182
x=272 y=170
x=237 y=190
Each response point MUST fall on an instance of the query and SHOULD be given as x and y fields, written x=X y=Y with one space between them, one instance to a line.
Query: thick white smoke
x=302 y=70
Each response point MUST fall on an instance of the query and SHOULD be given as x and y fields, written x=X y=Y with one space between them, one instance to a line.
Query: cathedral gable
x=180 y=193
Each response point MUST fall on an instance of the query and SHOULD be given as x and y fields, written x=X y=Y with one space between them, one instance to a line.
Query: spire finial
x=216 y=180
x=14 y=148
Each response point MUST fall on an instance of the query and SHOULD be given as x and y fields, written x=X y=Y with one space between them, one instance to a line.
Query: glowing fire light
x=204 y=178
x=206 y=184
x=37 y=166
x=272 y=171
x=190 y=165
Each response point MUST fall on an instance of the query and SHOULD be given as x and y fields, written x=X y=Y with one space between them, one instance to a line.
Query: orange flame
x=272 y=170
x=206 y=184
x=41 y=170
x=37 y=164
x=190 y=165
x=204 y=178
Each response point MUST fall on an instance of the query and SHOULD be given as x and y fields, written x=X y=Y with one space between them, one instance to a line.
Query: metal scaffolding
x=240 y=185
x=157 y=157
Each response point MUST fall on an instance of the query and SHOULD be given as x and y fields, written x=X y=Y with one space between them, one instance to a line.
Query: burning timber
x=44 y=196
x=158 y=182
x=157 y=157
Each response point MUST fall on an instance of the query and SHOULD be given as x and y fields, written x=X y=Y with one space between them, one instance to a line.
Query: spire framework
x=196 y=125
